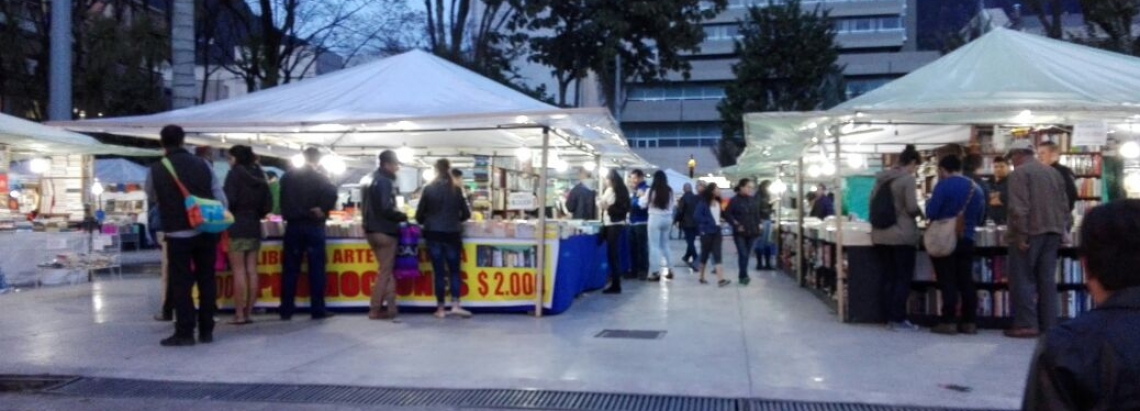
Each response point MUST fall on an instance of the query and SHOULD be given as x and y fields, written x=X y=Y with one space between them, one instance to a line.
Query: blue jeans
x=763 y=245
x=690 y=243
x=744 y=244
x=445 y=263
x=302 y=240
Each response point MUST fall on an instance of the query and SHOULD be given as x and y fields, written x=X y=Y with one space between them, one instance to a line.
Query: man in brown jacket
x=1038 y=212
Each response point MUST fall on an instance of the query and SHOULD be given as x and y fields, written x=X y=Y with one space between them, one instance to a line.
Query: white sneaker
x=460 y=312
x=904 y=326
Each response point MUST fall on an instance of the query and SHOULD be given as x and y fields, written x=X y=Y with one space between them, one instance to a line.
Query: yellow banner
x=495 y=273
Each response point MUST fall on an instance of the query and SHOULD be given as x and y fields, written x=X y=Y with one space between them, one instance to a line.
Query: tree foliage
x=649 y=37
x=1113 y=19
x=787 y=63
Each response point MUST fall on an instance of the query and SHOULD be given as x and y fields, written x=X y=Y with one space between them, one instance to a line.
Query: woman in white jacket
x=659 y=200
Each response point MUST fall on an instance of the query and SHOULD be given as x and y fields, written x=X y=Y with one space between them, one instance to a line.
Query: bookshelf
x=492 y=179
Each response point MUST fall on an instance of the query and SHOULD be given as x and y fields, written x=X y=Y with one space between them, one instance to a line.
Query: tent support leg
x=540 y=271
x=840 y=271
x=800 y=269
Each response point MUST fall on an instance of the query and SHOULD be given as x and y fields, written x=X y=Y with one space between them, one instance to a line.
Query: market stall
x=46 y=176
x=1004 y=86
x=423 y=107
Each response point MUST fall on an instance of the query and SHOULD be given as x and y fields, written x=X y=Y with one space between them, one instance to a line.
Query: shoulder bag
x=206 y=216
x=941 y=236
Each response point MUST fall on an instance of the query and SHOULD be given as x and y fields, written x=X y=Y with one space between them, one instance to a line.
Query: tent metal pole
x=599 y=180
x=540 y=271
x=800 y=269
x=840 y=272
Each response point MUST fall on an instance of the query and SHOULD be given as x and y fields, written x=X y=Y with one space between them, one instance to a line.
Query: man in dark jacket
x=582 y=201
x=1050 y=154
x=686 y=219
x=639 y=224
x=190 y=255
x=382 y=226
x=1093 y=361
x=307 y=196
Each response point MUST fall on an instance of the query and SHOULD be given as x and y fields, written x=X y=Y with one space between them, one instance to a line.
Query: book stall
x=1091 y=121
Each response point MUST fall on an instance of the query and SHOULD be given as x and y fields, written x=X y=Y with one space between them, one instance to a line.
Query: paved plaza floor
x=768 y=340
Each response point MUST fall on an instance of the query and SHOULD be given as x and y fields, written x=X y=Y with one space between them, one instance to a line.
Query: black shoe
x=323 y=315
x=745 y=281
x=286 y=317
x=163 y=318
x=612 y=290
x=206 y=338
x=669 y=276
x=177 y=341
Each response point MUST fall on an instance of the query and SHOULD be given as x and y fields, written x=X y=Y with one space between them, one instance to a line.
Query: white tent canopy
x=28 y=138
x=413 y=99
x=1004 y=77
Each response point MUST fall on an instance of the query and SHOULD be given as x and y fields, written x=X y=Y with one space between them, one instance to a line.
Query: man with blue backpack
x=181 y=186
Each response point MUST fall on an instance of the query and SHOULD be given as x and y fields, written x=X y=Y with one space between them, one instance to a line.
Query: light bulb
x=334 y=164
x=97 y=188
x=589 y=166
x=828 y=169
x=778 y=187
x=1130 y=150
x=297 y=161
x=856 y=161
x=1132 y=182
x=560 y=165
x=405 y=154
x=603 y=171
x=429 y=174
x=813 y=171
x=15 y=194
x=39 y=165
x=522 y=153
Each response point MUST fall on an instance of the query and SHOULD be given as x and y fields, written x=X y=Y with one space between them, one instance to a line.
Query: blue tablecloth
x=581 y=268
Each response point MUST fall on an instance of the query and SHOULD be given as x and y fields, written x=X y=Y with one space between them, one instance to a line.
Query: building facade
x=667 y=122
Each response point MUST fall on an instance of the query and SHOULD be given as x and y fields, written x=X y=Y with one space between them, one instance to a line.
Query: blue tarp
x=119 y=171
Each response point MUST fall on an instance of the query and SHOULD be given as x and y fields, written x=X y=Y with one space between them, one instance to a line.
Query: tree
x=1114 y=19
x=285 y=39
x=1049 y=12
x=787 y=63
x=648 y=37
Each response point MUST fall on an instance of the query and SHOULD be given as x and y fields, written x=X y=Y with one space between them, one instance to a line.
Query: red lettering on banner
x=269 y=257
x=332 y=284
x=422 y=255
x=483 y=287
x=302 y=288
x=463 y=289
x=367 y=281
x=336 y=257
x=462 y=255
x=528 y=284
x=273 y=282
x=499 y=283
x=349 y=284
x=424 y=285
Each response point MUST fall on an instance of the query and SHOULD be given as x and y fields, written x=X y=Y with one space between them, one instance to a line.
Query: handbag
x=941 y=236
x=205 y=215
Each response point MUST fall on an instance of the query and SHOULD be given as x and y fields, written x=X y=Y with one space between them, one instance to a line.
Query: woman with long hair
x=743 y=214
x=247 y=189
x=441 y=212
x=660 y=200
x=707 y=215
x=614 y=204
x=764 y=246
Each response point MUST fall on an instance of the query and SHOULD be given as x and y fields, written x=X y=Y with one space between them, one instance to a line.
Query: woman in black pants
x=614 y=203
x=707 y=216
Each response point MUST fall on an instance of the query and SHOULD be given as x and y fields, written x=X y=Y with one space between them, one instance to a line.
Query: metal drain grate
x=632 y=334
x=449 y=398
x=23 y=383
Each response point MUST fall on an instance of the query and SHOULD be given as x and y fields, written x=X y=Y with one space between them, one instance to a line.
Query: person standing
x=638 y=222
x=1091 y=362
x=154 y=223
x=582 y=203
x=191 y=255
x=999 y=192
x=1037 y=218
x=1050 y=154
x=250 y=200
x=660 y=201
x=441 y=213
x=957 y=196
x=824 y=204
x=686 y=219
x=894 y=234
x=382 y=227
x=743 y=215
x=307 y=196
x=707 y=216
x=764 y=246
x=615 y=204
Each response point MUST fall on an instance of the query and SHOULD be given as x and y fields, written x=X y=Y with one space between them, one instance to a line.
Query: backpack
x=883 y=207
x=619 y=210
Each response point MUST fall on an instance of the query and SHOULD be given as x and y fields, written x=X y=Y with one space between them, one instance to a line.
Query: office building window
x=721 y=32
x=806 y=4
x=868 y=24
x=677 y=91
x=860 y=86
x=649 y=135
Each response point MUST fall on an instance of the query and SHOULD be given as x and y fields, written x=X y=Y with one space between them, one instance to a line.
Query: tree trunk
x=183 y=84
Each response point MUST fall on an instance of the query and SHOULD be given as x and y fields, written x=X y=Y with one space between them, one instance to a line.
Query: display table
x=498 y=275
x=44 y=258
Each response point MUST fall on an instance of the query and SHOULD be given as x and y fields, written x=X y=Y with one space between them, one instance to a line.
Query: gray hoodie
x=902 y=186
